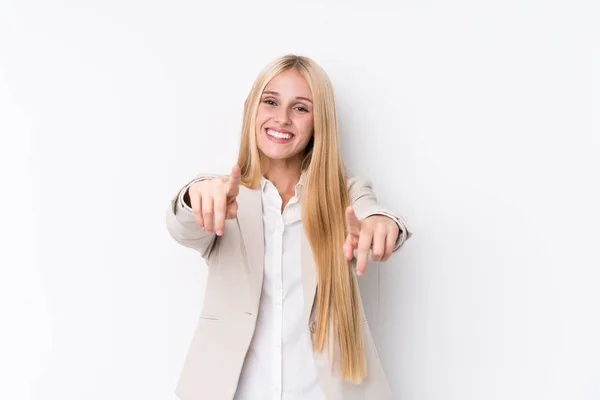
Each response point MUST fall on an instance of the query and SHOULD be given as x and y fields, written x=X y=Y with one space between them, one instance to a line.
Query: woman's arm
x=364 y=202
x=182 y=225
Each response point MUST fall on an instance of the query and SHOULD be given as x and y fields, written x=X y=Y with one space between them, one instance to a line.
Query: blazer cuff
x=181 y=202
x=404 y=232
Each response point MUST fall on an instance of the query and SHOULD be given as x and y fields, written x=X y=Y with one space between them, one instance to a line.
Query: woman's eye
x=273 y=103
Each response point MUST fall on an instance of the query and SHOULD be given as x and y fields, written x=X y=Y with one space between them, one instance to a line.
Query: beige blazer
x=235 y=274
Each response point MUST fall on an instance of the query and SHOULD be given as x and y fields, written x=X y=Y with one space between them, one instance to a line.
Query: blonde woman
x=282 y=316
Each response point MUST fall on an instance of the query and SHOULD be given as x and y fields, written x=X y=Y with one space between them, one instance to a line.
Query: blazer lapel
x=250 y=223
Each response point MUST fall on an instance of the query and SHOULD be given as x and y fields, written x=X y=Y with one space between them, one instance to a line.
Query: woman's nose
x=282 y=117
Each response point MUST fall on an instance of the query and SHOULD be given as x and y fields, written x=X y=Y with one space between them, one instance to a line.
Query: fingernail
x=219 y=232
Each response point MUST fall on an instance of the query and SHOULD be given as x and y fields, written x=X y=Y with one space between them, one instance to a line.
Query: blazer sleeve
x=182 y=225
x=365 y=204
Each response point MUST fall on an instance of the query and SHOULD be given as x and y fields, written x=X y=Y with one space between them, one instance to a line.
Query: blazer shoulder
x=358 y=181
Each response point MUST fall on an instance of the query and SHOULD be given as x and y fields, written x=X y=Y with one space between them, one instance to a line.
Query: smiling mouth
x=279 y=135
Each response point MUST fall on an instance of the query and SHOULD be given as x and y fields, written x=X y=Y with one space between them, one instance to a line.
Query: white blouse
x=279 y=364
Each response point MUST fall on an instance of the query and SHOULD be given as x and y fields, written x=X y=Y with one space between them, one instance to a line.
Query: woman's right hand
x=214 y=200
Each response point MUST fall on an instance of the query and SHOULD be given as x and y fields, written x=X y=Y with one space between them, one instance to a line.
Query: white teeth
x=279 y=135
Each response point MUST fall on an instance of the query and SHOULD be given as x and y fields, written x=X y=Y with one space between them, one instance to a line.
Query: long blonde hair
x=325 y=198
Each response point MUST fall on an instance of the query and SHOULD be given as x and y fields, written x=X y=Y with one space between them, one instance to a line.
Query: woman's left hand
x=376 y=232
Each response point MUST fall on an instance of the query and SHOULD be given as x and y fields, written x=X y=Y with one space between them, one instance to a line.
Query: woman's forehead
x=289 y=82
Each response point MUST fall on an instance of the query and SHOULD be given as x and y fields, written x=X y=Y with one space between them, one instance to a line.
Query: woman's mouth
x=279 y=137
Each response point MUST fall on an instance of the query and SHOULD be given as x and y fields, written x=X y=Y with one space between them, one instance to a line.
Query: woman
x=282 y=316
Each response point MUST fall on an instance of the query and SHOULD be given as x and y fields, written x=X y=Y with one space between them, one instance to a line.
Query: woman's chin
x=273 y=154
x=278 y=155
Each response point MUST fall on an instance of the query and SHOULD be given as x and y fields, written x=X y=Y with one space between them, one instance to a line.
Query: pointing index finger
x=233 y=184
x=352 y=222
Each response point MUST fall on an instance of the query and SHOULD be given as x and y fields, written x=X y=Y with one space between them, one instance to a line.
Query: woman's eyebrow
x=297 y=97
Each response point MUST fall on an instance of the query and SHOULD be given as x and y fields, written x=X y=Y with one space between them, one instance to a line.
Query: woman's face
x=284 y=120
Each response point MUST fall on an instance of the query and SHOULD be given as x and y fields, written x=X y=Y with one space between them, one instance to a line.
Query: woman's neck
x=283 y=175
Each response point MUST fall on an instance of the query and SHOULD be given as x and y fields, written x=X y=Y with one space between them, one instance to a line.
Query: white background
x=479 y=122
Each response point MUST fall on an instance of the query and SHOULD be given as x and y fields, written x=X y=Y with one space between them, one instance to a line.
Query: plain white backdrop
x=479 y=122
